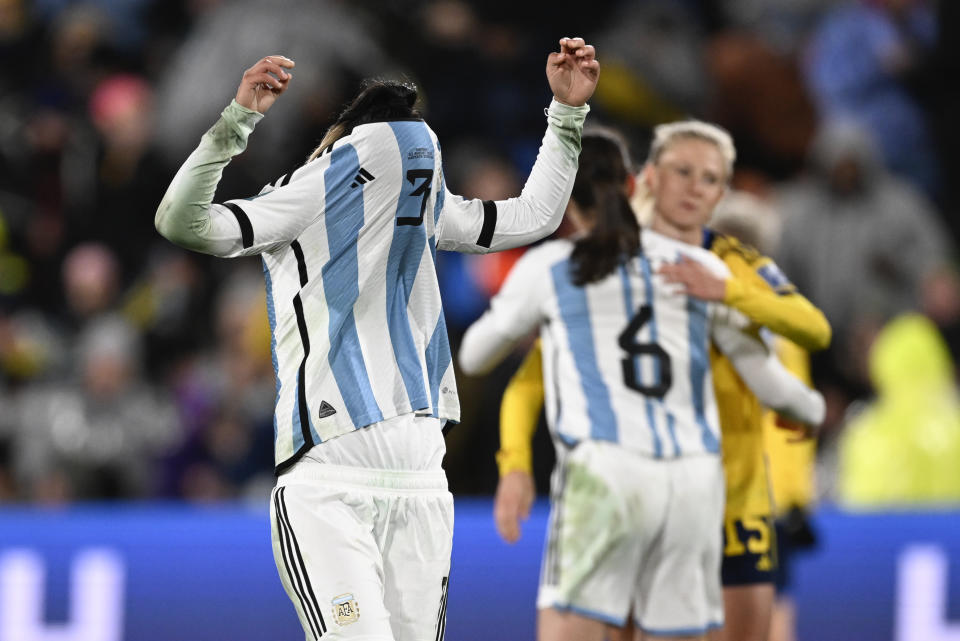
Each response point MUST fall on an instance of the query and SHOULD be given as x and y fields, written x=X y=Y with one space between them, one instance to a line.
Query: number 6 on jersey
x=628 y=342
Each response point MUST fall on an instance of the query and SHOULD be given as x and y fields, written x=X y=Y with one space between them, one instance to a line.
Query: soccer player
x=637 y=497
x=758 y=289
x=361 y=517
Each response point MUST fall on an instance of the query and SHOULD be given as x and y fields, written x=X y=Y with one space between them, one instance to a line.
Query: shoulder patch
x=777 y=280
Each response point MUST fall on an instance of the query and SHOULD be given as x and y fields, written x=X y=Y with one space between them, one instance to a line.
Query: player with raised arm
x=361 y=517
x=637 y=495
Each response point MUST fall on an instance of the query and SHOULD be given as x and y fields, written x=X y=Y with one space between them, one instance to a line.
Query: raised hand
x=515 y=494
x=263 y=83
x=573 y=71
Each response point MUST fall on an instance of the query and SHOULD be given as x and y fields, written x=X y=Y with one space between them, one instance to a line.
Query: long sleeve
x=761 y=292
x=520 y=413
x=186 y=216
x=476 y=226
x=789 y=315
x=514 y=312
x=766 y=377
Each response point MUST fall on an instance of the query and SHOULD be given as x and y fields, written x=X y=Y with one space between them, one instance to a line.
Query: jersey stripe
x=657 y=373
x=438 y=360
x=344 y=216
x=638 y=371
x=489 y=223
x=272 y=318
x=441 y=196
x=403 y=261
x=575 y=313
x=246 y=229
x=699 y=362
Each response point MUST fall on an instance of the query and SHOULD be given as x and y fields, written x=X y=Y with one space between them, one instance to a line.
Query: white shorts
x=364 y=553
x=631 y=534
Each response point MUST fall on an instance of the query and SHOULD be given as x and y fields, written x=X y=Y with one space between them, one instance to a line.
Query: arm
x=758 y=290
x=513 y=313
x=519 y=411
x=186 y=215
x=763 y=373
x=519 y=414
x=790 y=315
x=477 y=226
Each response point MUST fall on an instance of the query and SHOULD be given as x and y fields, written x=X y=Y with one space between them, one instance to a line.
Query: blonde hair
x=663 y=136
x=334 y=133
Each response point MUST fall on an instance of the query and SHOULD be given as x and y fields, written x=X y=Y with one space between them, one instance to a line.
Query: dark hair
x=599 y=192
x=378 y=101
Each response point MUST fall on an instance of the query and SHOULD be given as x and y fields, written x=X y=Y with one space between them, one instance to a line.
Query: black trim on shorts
x=552 y=573
x=293 y=564
x=246 y=229
x=442 y=614
x=489 y=224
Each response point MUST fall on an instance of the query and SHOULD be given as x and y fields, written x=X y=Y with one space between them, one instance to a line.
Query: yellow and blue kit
x=760 y=291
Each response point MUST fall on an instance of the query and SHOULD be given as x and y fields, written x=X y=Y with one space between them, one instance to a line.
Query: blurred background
x=133 y=371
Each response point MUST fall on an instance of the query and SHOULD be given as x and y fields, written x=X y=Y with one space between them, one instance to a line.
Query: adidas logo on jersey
x=326 y=409
x=363 y=176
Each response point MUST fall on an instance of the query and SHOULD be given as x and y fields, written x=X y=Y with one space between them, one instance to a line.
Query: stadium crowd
x=132 y=369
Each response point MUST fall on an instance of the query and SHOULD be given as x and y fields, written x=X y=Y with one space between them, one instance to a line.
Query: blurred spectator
x=95 y=435
x=859 y=64
x=129 y=176
x=903 y=447
x=653 y=63
x=783 y=25
x=170 y=305
x=862 y=244
x=225 y=396
x=330 y=44
x=759 y=96
x=467 y=281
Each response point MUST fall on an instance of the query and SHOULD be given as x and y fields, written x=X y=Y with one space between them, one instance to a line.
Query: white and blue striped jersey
x=348 y=243
x=626 y=358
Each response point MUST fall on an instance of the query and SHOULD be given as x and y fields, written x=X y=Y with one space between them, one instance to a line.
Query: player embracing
x=637 y=495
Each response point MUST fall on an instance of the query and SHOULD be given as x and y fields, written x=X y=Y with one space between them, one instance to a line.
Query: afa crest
x=345 y=609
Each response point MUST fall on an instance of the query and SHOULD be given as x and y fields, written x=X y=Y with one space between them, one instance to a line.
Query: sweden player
x=637 y=496
x=361 y=517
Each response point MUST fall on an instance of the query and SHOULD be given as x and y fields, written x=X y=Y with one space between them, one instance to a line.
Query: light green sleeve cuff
x=567 y=123
x=237 y=123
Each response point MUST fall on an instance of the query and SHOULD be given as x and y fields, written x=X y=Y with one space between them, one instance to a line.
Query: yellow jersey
x=760 y=291
x=791 y=462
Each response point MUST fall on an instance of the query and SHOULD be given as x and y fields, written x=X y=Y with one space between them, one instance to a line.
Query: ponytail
x=614 y=237
x=599 y=192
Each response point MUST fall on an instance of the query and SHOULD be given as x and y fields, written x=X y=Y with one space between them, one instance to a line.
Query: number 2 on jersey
x=628 y=342
x=423 y=189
